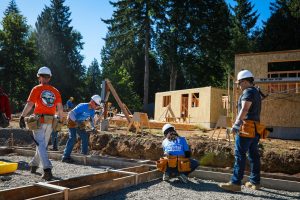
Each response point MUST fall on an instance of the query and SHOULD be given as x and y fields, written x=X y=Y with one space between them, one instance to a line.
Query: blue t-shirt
x=251 y=94
x=82 y=112
x=70 y=105
x=175 y=147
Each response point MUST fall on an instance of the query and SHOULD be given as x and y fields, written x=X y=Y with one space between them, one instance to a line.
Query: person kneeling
x=177 y=161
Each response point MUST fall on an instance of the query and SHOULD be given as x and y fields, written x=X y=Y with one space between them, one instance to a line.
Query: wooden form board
x=85 y=186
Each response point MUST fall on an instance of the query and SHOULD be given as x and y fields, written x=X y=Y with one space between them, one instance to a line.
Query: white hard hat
x=44 y=70
x=167 y=126
x=244 y=74
x=97 y=99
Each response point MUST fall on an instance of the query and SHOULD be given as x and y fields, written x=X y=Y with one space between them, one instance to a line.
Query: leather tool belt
x=183 y=164
x=250 y=127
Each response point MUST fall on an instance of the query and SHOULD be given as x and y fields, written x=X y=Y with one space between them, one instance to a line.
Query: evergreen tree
x=192 y=41
x=121 y=80
x=59 y=47
x=17 y=56
x=130 y=28
x=93 y=79
x=243 y=21
x=282 y=29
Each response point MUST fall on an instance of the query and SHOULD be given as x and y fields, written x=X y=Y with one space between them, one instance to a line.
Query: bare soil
x=280 y=156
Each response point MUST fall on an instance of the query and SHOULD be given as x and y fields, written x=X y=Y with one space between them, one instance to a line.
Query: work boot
x=166 y=177
x=252 y=186
x=33 y=169
x=183 y=178
x=47 y=174
x=67 y=160
x=230 y=187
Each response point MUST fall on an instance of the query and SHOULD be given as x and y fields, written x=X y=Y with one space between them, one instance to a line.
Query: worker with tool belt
x=177 y=161
x=76 y=124
x=248 y=131
x=45 y=99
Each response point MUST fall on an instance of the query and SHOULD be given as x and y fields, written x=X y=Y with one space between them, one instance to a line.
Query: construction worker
x=176 y=147
x=249 y=107
x=76 y=124
x=70 y=104
x=45 y=99
x=5 y=113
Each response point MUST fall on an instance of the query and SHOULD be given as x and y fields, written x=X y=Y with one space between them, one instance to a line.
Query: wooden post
x=114 y=93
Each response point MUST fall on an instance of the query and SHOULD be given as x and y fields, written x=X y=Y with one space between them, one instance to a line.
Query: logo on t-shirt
x=48 y=98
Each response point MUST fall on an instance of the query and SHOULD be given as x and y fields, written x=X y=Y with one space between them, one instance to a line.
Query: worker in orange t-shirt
x=45 y=99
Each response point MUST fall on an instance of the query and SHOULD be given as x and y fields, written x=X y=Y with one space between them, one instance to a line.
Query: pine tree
x=93 y=78
x=243 y=20
x=17 y=56
x=131 y=28
x=282 y=29
x=59 y=47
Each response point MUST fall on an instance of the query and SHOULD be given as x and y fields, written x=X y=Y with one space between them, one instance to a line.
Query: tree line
x=150 y=46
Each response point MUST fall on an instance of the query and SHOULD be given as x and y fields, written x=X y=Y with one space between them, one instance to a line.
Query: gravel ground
x=23 y=176
x=175 y=190
x=194 y=190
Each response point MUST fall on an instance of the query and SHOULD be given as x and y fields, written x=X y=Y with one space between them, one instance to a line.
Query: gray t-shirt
x=251 y=94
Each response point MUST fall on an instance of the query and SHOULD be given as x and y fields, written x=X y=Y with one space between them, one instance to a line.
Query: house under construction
x=278 y=75
x=201 y=106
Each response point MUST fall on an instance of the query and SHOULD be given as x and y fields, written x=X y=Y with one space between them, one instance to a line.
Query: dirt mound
x=276 y=155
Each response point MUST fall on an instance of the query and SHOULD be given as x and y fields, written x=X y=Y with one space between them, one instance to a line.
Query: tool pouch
x=33 y=122
x=247 y=129
x=161 y=164
x=172 y=161
x=184 y=165
x=47 y=119
x=262 y=131
x=81 y=125
x=71 y=124
x=56 y=125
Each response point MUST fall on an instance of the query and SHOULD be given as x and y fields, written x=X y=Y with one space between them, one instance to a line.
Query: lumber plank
x=101 y=188
x=25 y=192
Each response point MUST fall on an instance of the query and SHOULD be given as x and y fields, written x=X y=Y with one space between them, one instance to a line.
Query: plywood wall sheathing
x=278 y=110
x=207 y=112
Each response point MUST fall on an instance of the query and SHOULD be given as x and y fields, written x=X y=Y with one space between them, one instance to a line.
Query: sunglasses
x=44 y=75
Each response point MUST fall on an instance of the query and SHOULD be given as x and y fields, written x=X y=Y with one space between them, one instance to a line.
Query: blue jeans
x=54 y=139
x=72 y=139
x=242 y=145
x=174 y=171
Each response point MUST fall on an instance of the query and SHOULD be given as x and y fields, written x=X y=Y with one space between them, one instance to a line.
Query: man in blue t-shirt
x=249 y=107
x=70 y=104
x=174 y=145
x=76 y=124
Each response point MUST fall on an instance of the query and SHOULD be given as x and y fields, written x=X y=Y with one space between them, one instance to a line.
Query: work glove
x=236 y=126
x=94 y=131
x=22 y=122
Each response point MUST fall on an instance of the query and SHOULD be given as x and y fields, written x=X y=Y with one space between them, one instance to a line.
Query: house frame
x=202 y=106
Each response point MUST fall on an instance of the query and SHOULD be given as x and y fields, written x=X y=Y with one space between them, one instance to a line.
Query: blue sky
x=86 y=18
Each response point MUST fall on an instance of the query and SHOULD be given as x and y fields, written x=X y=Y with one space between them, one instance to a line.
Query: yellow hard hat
x=71 y=98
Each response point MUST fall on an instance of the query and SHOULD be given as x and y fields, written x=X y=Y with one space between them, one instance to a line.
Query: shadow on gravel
x=277 y=193
x=199 y=186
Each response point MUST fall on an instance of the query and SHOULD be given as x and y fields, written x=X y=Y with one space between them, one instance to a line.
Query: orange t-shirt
x=45 y=99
